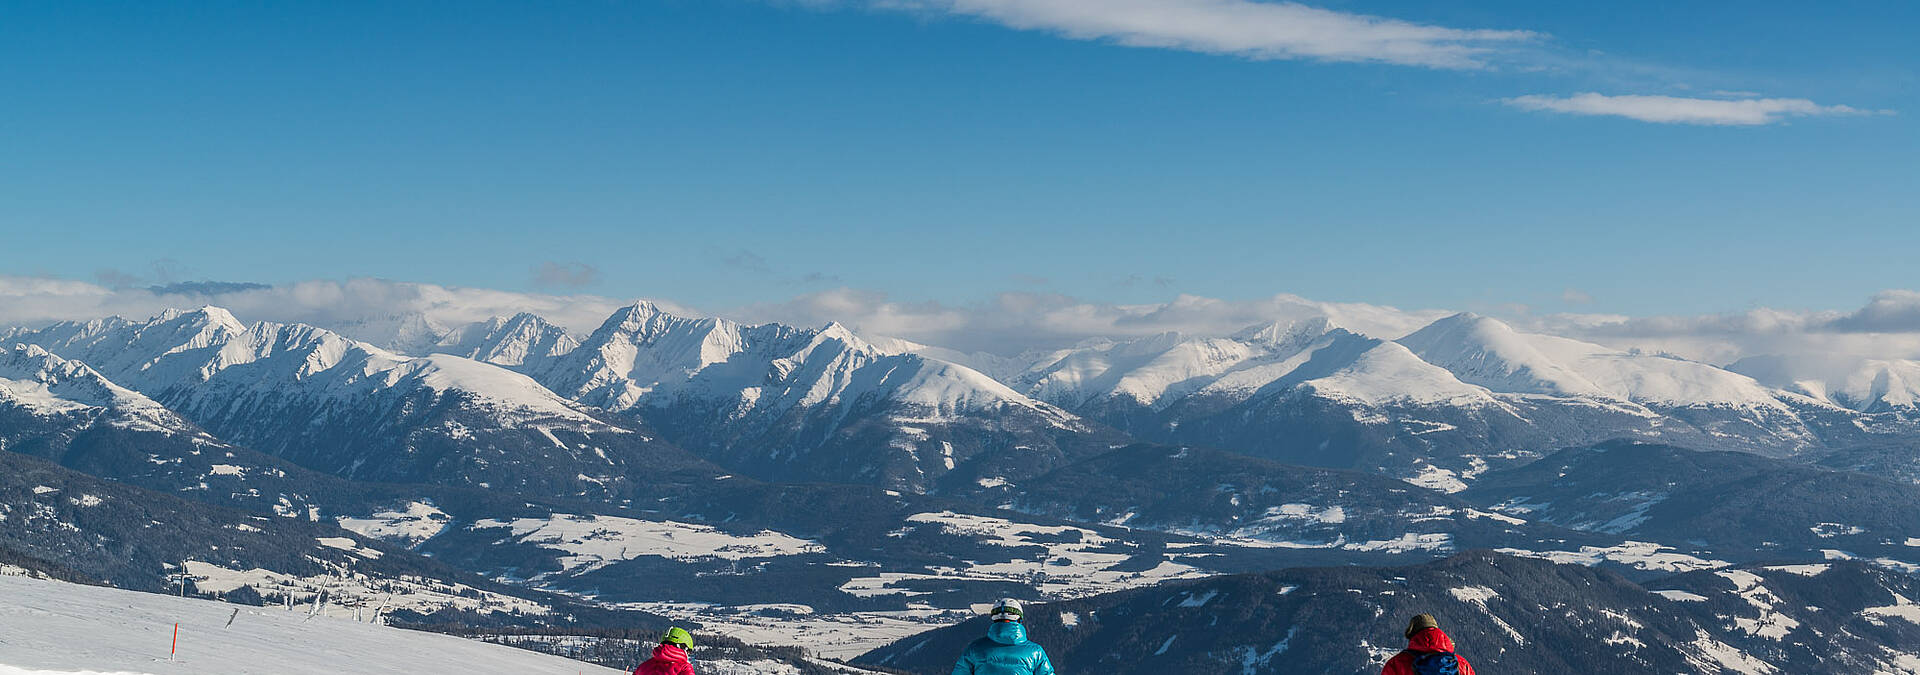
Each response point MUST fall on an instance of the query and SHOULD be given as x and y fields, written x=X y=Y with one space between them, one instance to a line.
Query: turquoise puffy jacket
x=1004 y=651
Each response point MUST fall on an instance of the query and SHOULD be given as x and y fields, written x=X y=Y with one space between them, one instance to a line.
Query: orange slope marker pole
x=176 y=642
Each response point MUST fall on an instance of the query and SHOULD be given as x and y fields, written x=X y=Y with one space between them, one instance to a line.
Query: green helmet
x=677 y=636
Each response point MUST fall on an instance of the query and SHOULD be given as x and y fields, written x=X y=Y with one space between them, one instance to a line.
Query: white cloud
x=34 y=301
x=1257 y=30
x=1893 y=311
x=1678 y=110
x=1888 y=326
x=1013 y=322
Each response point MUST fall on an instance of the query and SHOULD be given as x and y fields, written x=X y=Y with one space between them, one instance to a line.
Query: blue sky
x=729 y=152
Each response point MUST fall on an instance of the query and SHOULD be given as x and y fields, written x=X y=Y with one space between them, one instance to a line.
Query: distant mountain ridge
x=798 y=404
x=1436 y=406
x=346 y=407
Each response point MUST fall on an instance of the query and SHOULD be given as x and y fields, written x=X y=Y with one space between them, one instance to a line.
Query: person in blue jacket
x=1005 y=650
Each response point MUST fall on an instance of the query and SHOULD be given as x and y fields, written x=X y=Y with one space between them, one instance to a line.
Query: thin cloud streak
x=1259 y=30
x=1255 y=30
x=1680 y=110
x=36 y=301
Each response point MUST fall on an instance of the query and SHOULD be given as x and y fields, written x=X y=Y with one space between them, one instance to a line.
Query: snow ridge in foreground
x=62 y=627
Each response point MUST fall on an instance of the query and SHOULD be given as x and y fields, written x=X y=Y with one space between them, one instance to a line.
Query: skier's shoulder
x=981 y=644
x=1400 y=663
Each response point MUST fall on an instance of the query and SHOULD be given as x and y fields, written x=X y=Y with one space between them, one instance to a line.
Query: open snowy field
x=49 y=627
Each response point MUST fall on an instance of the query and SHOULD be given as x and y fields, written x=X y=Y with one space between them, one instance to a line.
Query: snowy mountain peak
x=43 y=382
x=1492 y=354
x=1376 y=372
x=1870 y=385
x=405 y=333
x=835 y=332
x=1489 y=353
x=1160 y=369
x=1281 y=333
x=523 y=341
x=1486 y=328
x=783 y=399
x=640 y=318
x=194 y=329
x=207 y=316
x=524 y=319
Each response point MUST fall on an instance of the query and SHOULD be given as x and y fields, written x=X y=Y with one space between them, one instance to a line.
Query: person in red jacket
x=1428 y=652
x=670 y=658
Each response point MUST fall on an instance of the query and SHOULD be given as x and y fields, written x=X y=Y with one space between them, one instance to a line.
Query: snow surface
x=835 y=636
x=415 y=522
x=1681 y=596
x=343 y=593
x=1831 y=530
x=1637 y=554
x=1409 y=542
x=1802 y=570
x=1478 y=595
x=63 y=628
x=1253 y=661
x=1201 y=600
x=1901 y=608
x=592 y=542
x=1059 y=569
x=1331 y=515
x=1710 y=653
x=1771 y=623
x=1439 y=479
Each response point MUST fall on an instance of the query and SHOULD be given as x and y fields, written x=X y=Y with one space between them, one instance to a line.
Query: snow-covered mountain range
x=1442 y=402
x=790 y=403
x=1437 y=405
x=37 y=383
x=700 y=468
x=346 y=407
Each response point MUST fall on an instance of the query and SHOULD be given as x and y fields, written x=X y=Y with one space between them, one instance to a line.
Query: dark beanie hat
x=1419 y=623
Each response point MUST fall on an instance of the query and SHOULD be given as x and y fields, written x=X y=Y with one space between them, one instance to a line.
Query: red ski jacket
x=667 y=660
x=1429 y=640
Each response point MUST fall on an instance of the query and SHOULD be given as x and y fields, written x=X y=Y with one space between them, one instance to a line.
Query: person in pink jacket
x=670 y=658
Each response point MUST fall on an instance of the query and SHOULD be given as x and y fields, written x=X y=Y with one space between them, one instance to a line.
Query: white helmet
x=1007 y=609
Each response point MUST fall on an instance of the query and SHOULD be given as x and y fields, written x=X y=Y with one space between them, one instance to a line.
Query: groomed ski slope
x=55 y=628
